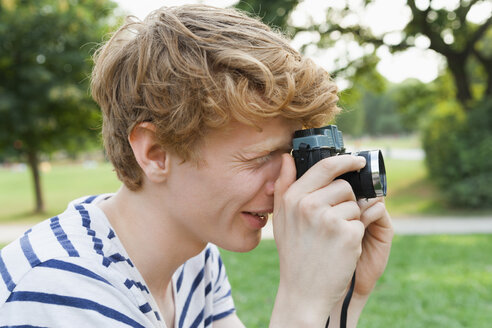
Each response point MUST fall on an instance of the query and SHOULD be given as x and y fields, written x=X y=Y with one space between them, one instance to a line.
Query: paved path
x=403 y=226
x=429 y=225
x=9 y=232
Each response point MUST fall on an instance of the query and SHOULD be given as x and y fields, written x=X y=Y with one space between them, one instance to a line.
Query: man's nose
x=270 y=188
x=274 y=173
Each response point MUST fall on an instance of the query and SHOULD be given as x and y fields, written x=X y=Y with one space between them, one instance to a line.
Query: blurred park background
x=415 y=80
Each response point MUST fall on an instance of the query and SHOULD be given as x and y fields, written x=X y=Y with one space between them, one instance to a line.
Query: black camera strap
x=345 y=305
x=346 y=302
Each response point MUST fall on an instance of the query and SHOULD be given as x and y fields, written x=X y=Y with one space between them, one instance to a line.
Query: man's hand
x=319 y=239
x=376 y=244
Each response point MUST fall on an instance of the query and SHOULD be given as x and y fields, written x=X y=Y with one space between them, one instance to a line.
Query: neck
x=156 y=243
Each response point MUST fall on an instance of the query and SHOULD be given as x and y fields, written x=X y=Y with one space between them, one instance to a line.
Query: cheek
x=235 y=188
x=254 y=183
x=209 y=188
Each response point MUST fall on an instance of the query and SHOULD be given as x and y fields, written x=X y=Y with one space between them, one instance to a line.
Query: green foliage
x=273 y=12
x=414 y=100
x=373 y=114
x=382 y=117
x=352 y=117
x=369 y=106
x=458 y=149
x=45 y=66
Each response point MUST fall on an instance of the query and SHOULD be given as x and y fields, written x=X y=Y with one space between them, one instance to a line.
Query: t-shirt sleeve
x=59 y=294
x=222 y=297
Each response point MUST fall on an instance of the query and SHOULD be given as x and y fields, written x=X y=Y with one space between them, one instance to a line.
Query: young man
x=200 y=105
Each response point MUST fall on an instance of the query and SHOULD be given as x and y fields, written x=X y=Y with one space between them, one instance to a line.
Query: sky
x=383 y=16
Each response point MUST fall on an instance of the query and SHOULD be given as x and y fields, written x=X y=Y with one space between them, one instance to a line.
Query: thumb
x=286 y=177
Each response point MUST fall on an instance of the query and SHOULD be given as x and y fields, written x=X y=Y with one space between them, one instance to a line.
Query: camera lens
x=370 y=181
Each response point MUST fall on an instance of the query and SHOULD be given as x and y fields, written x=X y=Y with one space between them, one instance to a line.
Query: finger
x=337 y=192
x=355 y=234
x=374 y=213
x=365 y=203
x=347 y=211
x=326 y=170
x=323 y=200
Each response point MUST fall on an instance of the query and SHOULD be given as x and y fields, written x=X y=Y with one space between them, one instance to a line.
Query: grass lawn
x=410 y=192
x=61 y=184
x=430 y=281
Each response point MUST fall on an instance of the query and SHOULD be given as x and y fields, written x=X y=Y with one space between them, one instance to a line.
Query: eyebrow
x=269 y=145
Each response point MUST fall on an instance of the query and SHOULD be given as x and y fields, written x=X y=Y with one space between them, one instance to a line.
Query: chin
x=242 y=244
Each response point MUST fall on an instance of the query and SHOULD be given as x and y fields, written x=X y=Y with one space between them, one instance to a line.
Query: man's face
x=227 y=198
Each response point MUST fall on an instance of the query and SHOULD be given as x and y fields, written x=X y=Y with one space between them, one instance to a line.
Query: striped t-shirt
x=72 y=271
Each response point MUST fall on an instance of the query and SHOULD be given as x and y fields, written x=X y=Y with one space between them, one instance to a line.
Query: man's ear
x=150 y=155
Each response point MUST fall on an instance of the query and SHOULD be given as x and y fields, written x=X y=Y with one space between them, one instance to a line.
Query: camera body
x=312 y=145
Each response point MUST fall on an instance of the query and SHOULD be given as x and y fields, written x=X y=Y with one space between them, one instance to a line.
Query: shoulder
x=61 y=244
x=68 y=291
x=70 y=266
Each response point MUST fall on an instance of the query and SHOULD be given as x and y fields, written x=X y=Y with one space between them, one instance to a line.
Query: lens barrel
x=370 y=181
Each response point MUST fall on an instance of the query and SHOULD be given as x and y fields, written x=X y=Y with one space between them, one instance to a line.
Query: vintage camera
x=312 y=145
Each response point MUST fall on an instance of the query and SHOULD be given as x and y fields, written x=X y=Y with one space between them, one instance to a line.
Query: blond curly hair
x=193 y=68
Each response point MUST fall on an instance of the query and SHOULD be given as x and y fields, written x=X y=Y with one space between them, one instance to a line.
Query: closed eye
x=263 y=159
x=257 y=162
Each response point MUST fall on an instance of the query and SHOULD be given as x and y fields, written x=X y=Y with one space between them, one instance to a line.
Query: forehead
x=270 y=135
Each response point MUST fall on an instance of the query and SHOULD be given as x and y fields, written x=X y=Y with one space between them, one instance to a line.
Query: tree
x=448 y=32
x=365 y=82
x=446 y=29
x=415 y=100
x=45 y=66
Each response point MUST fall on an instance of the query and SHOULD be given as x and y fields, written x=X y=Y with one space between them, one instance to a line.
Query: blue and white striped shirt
x=72 y=271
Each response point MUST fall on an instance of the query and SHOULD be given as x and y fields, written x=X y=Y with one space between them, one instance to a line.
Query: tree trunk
x=457 y=66
x=488 y=90
x=33 y=161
